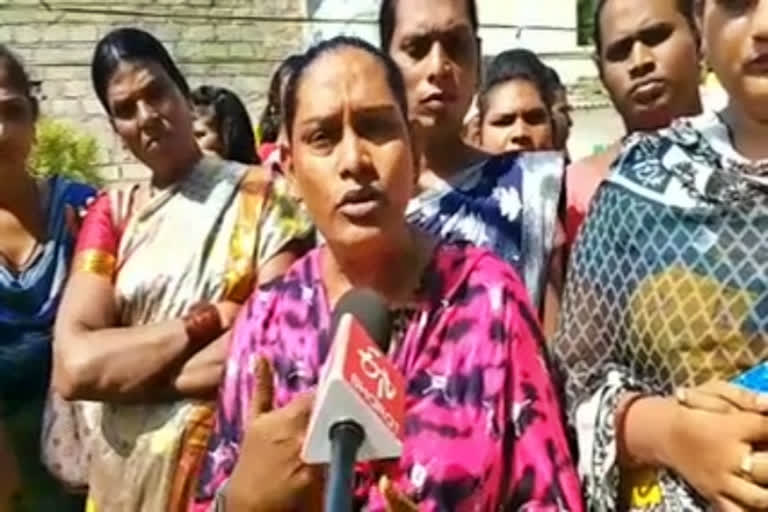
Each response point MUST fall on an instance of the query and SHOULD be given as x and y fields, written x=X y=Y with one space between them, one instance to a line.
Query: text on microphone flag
x=375 y=378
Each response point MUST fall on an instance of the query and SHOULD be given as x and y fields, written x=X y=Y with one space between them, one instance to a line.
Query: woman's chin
x=355 y=237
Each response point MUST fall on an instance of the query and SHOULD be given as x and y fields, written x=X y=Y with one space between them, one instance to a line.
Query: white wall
x=359 y=19
x=542 y=25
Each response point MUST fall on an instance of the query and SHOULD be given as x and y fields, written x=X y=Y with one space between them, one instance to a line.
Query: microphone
x=360 y=401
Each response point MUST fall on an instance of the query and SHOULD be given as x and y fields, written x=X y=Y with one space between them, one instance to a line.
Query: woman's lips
x=648 y=92
x=361 y=202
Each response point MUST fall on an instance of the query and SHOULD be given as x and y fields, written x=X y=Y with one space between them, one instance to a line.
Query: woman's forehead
x=514 y=91
x=428 y=16
x=624 y=18
x=344 y=74
x=204 y=113
x=135 y=73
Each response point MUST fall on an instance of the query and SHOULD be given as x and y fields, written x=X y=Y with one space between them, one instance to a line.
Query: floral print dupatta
x=507 y=203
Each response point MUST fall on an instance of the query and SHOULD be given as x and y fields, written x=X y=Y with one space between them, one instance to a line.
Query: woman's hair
x=17 y=77
x=130 y=44
x=272 y=117
x=231 y=121
x=394 y=77
x=554 y=83
x=684 y=6
x=517 y=64
x=388 y=18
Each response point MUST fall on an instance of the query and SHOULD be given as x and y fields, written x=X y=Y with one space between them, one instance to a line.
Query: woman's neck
x=18 y=191
x=20 y=205
x=749 y=135
x=392 y=268
x=446 y=155
x=181 y=169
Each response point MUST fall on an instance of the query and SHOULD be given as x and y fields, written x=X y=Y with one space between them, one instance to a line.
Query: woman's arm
x=93 y=360
x=553 y=292
x=200 y=376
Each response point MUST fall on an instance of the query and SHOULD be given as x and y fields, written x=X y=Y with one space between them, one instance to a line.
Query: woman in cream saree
x=157 y=281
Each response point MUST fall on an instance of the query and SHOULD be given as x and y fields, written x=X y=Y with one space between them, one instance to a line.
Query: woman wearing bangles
x=668 y=290
x=156 y=283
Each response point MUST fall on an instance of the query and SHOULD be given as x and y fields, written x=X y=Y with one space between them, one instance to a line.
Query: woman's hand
x=714 y=453
x=723 y=397
x=270 y=476
x=395 y=500
x=228 y=312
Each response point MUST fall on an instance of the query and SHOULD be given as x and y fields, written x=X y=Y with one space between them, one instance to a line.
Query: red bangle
x=620 y=417
x=202 y=324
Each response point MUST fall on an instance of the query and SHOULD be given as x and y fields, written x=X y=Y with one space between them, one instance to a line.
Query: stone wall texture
x=232 y=43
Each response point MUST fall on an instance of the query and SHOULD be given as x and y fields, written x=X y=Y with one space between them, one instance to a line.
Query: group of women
x=185 y=344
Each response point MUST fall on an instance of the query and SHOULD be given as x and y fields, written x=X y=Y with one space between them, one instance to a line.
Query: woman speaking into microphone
x=483 y=427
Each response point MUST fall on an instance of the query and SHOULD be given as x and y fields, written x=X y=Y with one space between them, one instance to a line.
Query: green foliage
x=64 y=150
x=585 y=14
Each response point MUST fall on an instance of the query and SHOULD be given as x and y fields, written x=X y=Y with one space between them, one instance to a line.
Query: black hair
x=517 y=64
x=272 y=117
x=394 y=77
x=388 y=19
x=18 y=77
x=130 y=44
x=553 y=79
x=684 y=6
x=231 y=120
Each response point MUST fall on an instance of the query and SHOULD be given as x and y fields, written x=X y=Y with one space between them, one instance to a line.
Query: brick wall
x=233 y=43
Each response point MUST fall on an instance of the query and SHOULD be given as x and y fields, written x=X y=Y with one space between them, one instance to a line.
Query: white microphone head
x=359 y=384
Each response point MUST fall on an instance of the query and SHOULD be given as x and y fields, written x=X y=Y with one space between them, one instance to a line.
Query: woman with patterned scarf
x=506 y=203
x=667 y=299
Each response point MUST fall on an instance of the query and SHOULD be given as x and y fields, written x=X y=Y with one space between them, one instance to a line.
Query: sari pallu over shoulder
x=203 y=239
x=507 y=204
x=668 y=287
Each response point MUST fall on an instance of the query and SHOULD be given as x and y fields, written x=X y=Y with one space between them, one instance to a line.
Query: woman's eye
x=735 y=6
x=318 y=138
x=123 y=110
x=417 y=48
